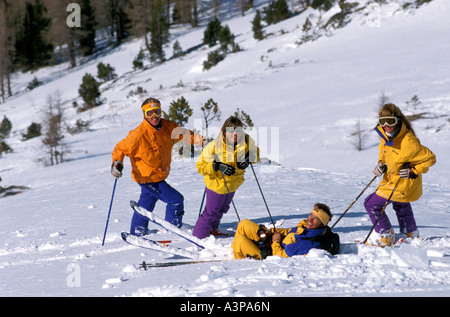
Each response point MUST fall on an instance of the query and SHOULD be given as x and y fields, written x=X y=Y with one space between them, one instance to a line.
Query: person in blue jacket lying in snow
x=256 y=241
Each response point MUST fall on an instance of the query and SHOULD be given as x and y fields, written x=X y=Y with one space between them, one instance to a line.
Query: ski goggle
x=153 y=110
x=389 y=121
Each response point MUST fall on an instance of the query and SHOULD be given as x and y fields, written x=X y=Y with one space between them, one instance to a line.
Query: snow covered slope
x=304 y=100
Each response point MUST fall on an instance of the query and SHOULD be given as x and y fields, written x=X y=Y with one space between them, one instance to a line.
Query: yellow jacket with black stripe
x=404 y=148
x=222 y=151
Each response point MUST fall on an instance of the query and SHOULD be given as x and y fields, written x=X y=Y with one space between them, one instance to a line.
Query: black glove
x=264 y=242
x=242 y=164
x=245 y=160
x=224 y=168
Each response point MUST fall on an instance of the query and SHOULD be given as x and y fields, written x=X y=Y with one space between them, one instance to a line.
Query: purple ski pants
x=216 y=206
x=374 y=204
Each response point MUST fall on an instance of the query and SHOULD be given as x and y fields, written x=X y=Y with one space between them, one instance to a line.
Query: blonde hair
x=390 y=109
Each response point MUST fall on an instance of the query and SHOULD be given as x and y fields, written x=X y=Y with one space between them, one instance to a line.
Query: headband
x=151 y=105
x=322 y=215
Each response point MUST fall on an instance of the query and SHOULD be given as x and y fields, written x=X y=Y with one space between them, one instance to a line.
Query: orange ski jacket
x=150 y=149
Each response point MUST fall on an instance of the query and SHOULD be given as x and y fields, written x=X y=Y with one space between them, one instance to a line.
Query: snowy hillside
x=304 y=100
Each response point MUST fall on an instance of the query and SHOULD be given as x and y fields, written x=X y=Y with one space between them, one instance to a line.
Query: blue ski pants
x=150 y=194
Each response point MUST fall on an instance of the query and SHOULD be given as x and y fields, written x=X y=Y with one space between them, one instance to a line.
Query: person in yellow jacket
x=255 y=241
x=149 y=148
x=402 y=161
x=222 y=164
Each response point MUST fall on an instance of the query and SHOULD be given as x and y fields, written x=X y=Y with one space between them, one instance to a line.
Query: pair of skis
x=163 y=246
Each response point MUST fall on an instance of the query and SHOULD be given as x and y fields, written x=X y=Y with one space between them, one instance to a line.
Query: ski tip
x=133 y=204
x=124 y=235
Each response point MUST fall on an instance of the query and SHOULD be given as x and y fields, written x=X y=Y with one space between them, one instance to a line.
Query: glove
x=245 y=160
x=264 y=242
x=116 y=169
x=406 y=173
x=223 y=168
x=380 y=169
x=243 y=163
x=207 y=140
x=263 y=233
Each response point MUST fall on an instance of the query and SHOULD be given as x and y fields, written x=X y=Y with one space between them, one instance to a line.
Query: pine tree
x=105 y=72
x=244 y=117
x=177 y=50
x=211 y=34
x=89 y=91
x=86 y=36
x=159 y=30
x=120 y=21
x=322 y=4
x=257 y=26
x=32 y=48
x=5 y=128
x=225 y=37
x=34 y=130
x=214 y=58
x=179 y=111
x=4 y=148
x=276 y=11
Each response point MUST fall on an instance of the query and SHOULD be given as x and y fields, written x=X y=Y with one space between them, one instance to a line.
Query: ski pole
x=354 y=201
x=382 y=210
x=203 y=200
x=228 y=190
x=109 y=212
x=257 y=182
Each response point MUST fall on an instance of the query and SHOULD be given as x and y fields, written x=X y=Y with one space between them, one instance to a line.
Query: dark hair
x=390 y=109
x=150 y=100
x=324 y=208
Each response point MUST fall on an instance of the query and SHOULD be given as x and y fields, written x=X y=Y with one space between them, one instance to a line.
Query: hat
x=321 y=214
x=150 y=103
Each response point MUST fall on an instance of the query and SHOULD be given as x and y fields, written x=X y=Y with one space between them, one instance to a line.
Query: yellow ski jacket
x=404 y=148
x=221 y=151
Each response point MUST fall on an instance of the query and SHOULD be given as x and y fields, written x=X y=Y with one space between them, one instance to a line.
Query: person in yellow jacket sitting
x=402 y=161
x=149 y=148
x=255 y=241
x=222 y=164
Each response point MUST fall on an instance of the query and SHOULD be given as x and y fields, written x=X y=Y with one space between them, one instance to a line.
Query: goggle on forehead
x=152 y=110
x=389 y=121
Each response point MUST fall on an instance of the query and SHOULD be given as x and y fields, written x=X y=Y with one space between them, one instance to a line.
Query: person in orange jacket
x=402 y=160
x=149 y=148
